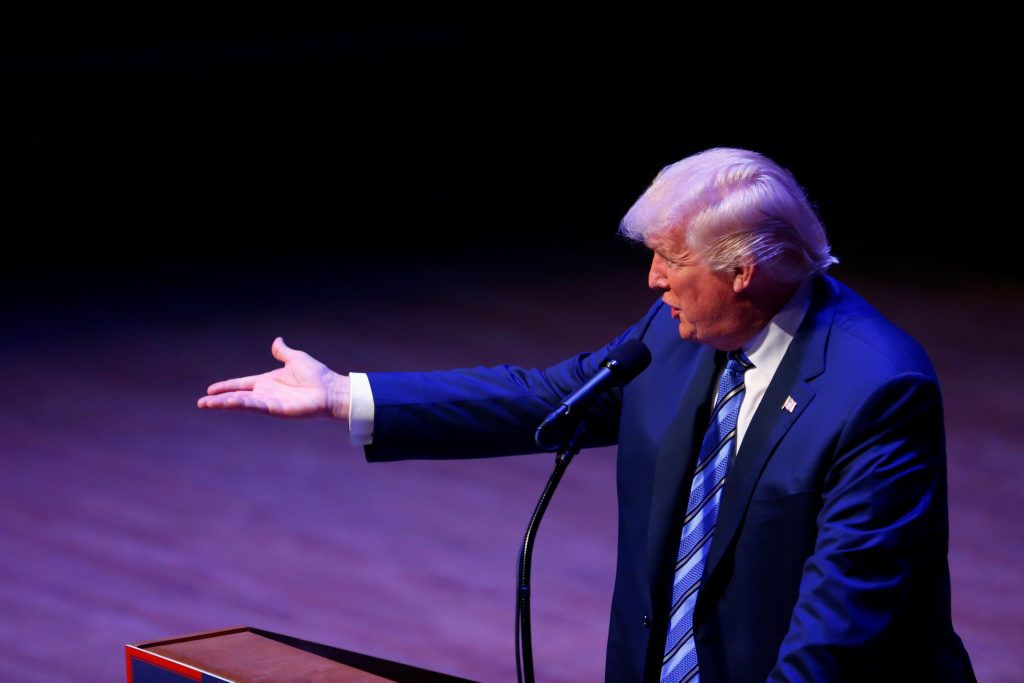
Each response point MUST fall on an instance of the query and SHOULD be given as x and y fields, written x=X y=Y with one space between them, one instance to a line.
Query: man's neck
x=763 y=303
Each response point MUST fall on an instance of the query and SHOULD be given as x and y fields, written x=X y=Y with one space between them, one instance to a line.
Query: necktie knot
x=740 y=358
x=731 y=382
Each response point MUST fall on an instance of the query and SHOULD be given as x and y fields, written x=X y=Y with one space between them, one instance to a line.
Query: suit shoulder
x=865 y=339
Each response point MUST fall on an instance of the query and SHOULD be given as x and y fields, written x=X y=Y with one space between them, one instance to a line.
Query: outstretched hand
x=304 y=387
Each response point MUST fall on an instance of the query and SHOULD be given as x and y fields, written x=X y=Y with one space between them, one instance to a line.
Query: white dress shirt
x=765 y=350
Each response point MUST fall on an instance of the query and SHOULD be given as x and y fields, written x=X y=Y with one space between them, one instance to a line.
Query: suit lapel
x=769 y=424
x=676 y=455
x=787 y=397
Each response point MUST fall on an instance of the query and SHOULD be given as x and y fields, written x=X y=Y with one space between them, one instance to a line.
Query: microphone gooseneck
x=559 y=431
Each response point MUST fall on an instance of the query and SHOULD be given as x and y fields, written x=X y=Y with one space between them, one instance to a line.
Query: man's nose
x=656 y=277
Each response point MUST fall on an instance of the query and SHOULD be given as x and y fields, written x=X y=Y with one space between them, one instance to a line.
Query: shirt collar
x=766 y=348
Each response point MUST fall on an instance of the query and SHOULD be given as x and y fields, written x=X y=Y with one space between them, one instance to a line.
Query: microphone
x=622 y=364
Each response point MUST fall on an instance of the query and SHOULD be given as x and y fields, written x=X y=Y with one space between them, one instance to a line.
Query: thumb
x=281 y=350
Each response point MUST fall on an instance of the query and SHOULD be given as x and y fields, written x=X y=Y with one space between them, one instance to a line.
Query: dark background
x=239 y=160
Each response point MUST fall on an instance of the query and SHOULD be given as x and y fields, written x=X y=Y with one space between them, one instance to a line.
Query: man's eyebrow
x=683 y=256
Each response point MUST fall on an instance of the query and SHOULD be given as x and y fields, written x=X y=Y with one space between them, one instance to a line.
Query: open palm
x=304 y=387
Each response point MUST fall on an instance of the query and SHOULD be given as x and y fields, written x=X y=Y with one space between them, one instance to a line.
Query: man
x=782 y=481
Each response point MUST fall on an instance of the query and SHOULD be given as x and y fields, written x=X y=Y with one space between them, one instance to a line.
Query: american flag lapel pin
x=789 y=404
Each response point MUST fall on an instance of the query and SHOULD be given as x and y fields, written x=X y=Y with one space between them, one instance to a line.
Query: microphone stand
x=524 y=641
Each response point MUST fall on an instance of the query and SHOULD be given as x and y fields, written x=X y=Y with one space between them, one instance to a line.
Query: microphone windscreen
x=627 y=360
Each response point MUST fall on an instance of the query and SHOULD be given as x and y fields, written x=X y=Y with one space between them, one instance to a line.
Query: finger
x=281 y=350
x=233 y=401
x=237 y=384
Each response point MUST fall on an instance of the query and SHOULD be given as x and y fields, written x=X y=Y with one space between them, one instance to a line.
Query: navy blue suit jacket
x=828 y=561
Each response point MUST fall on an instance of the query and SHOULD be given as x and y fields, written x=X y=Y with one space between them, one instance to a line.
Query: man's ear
x=743 y=275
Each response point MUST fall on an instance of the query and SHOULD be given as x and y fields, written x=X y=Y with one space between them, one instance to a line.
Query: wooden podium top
x=248 y=655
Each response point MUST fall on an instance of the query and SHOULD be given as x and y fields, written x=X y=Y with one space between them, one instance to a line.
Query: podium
x=250 y=655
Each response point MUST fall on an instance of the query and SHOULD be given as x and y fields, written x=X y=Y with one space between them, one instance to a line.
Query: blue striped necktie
x=679 y=664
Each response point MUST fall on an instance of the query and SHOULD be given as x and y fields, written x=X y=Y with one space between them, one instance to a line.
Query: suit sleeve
x=478 y=412
x=882 y=532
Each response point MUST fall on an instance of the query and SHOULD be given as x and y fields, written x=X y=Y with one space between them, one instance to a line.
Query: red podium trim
x=156 y=660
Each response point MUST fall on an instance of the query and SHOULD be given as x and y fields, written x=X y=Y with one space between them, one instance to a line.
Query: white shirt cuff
x=360 y=410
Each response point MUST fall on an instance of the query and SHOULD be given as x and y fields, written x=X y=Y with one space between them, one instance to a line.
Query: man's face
x=702 y=301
